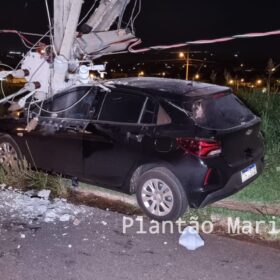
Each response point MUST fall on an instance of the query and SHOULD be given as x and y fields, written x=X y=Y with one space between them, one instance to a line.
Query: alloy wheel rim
x=8 y=155
x=157 y=197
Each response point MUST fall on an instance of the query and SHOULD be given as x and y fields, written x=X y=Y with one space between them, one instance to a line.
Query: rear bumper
x=202 y=197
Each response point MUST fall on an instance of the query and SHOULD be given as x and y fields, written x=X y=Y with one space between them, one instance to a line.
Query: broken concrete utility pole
x=67 y=63
x=61 y=15
x=98 y=39
x=69 y=33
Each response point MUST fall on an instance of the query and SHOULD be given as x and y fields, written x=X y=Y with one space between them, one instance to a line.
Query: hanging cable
x=31 y=34
x=132 y=13
x=121 y=15
x=89 y=11
x=33 y=47
x=136 y=16
x=26 y=42
x=65 y=109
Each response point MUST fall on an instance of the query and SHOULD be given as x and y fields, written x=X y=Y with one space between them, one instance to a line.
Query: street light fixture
x=275 y=68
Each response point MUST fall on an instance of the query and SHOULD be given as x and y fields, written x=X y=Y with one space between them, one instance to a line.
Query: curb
x=116 y=196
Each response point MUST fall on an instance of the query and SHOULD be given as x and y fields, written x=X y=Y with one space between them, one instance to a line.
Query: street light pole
x=186 y=57
x=187 y=65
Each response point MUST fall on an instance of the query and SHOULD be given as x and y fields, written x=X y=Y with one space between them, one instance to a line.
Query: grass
x=266 y=189
x=25 y=178
x=203 y=214
x=219 y=217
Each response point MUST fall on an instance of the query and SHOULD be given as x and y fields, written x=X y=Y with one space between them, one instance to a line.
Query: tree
x=227 y=76
x=213 y=76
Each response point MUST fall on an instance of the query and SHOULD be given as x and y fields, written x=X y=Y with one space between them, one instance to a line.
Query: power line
x=202 y=42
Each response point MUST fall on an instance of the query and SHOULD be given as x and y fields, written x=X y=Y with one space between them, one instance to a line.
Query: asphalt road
x=97 y=249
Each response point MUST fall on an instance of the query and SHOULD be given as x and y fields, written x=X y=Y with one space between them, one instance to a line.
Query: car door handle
x=136 y=137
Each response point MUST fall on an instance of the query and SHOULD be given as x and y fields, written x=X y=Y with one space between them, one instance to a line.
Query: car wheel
x=160 y=195
x=10 y=154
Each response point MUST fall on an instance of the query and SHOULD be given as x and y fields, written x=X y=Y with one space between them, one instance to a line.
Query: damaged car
x=175 y=144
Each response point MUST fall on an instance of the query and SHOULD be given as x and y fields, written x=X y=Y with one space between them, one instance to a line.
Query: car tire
x=160 y=195
x=10 y=154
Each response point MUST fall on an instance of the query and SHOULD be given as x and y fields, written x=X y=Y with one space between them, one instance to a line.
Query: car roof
x=170 y=86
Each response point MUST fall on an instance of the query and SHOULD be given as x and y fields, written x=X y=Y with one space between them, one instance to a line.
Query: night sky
x=172 y=21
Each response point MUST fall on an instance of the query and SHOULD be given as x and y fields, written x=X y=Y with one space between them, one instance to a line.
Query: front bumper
x=202 y=197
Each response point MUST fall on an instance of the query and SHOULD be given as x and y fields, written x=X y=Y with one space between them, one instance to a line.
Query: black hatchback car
x=175 y=143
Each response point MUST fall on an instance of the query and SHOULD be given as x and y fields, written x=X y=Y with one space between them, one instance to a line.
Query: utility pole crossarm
x=105 y=15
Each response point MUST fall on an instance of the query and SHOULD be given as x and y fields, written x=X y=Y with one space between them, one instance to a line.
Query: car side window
x=153 y=113
x=149 y=112
x=76 y=103
x=122 y=107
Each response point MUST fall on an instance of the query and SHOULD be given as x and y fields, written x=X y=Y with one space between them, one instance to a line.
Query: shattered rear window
x=219 y=111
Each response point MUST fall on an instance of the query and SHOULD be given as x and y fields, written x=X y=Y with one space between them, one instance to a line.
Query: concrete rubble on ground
x=36 y=206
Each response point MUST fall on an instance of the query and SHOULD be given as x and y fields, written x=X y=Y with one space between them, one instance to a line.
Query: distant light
x=241 y=65
x=181 y=55
x=197 y=76
x=259 y=82
x=15 y=52
x=141 y=74
x=236 y=55
x=231 y=82
x=273 y=69
x=242 y=80
x=163 y=74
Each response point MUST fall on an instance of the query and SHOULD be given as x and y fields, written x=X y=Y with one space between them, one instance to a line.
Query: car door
x=113 y=144
x=56 y=142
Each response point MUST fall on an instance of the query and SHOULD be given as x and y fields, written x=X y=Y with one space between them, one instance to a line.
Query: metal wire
x=89 y=11
x=65 y=109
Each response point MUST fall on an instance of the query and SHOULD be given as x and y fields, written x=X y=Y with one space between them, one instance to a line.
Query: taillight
x=207 y=175
x=199 y=147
